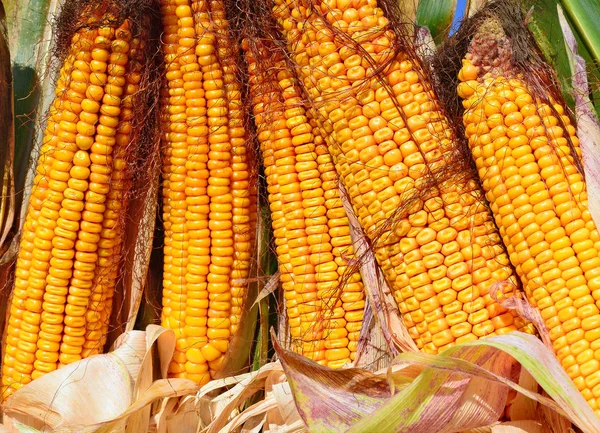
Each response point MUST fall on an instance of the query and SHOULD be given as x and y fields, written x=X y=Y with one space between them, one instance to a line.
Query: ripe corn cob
x=309 y=222
x=69 y=252
x=388 y=136
x=520 y=145
x=209 y=201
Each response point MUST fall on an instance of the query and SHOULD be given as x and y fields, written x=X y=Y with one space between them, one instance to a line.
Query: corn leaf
x=437 y=16
x=587 y=123
x=463 y=388
x=7 y=145
x=30 y=34
x=545 y=26
x=585 y=15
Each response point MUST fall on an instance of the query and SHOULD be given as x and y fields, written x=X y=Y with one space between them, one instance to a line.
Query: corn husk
x=587 y=123
x=465 y=387
x=103 y=393
x=7 y=144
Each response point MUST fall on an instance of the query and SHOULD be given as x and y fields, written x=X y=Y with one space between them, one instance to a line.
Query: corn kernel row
x=310 y=225
x=209 y=201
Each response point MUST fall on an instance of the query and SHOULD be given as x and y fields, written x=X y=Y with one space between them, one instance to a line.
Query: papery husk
x=519 y=427
x=473 y=6
x=379 y=294
x=276 y=410
x=463 y=389
x=103 y=393
x=523 y=408
x=215 y=408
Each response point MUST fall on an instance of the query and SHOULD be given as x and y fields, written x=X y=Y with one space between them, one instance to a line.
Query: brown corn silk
x=395 y=152
x=529 y=160
x=323 y=292
x=72 y=241
x=208 y=193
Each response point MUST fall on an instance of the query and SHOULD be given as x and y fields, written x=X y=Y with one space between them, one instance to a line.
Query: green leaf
x=7 y=188
x=585 y=15
x=587 y=124
x=545 y=26
x=30 y=35
x=437 y=16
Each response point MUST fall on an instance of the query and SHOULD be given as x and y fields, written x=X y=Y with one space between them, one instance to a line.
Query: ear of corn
x=521 y=146
x=70 y=249
x=388 y=136
x=209 y=200
x=324 y=302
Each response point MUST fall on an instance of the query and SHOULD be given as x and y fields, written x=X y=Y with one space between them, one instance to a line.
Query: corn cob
x=69 y=252
x=521 y=146
x=387 y=136
x=209 y=201
x=310 y=225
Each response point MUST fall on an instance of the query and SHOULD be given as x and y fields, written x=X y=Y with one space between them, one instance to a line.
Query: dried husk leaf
x=523 y=408
x=103 y=393
x=270 y=287
x=588 y=128
x=254 y=424
x=257 y=409
x=463 y=388
x=379 y=295
x=473 y=6
x=226 y=403
x=322 y=395
x=555 y=422
x=373 y=351
x=76 y=394
x=519 y=427
x=177 y=415
x=144 y=361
